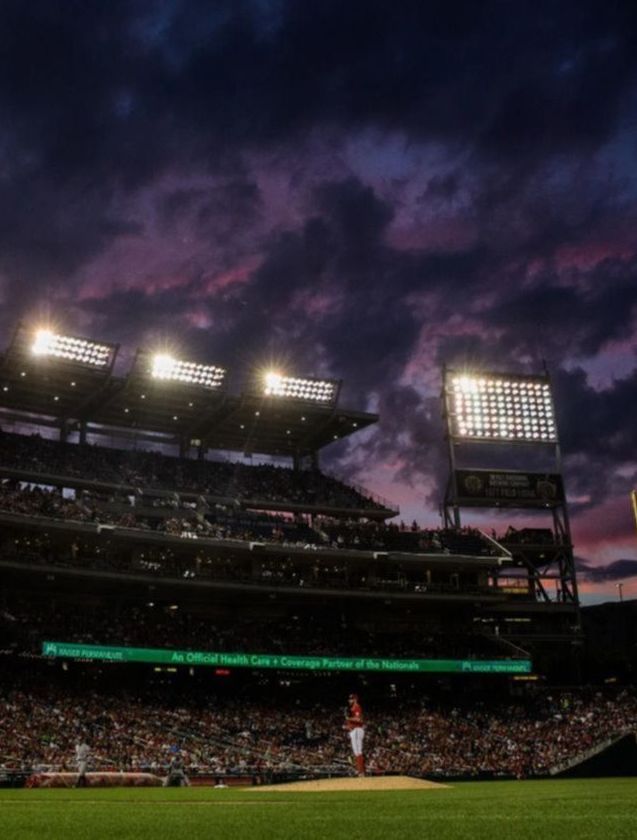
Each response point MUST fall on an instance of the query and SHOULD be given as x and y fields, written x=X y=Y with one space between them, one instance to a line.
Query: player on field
x=82 y=752
x=177 y=773
x=354 y=723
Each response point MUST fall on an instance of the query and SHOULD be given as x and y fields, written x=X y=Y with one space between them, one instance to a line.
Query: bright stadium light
x=48 y=343
x=168 y=368
x=501 y=408
x=311 y=390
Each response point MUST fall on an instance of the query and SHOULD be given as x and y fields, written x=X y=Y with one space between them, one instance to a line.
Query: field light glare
x=502 y=408
x=166 y=367
x=313 y=390
x=273 y=382
x=48 y=343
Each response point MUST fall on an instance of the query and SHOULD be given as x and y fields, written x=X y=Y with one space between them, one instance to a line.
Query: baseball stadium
x=205 y=634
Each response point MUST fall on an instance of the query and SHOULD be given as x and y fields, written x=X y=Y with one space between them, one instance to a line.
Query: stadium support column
x=83 y=432
x=451 y=507
x=314 y=460
x=566 y=561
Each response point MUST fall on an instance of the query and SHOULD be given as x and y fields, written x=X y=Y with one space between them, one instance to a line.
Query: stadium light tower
x=486 y=409
x=165 y=367
x=305 y=389
x=48 y=344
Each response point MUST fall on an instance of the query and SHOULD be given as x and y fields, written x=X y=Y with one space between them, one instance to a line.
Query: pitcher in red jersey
x=354 y=723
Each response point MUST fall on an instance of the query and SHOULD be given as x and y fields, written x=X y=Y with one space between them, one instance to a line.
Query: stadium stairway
x=616 y=756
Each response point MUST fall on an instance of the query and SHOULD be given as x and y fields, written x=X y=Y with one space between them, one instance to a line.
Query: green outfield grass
x=603 y=808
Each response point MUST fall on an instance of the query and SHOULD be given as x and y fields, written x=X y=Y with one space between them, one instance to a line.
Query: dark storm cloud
x=338 y=254
x=570 y=320
x=123 y=90
x=68 y=71
x=595 y=421
x=528 y=81
x=238 y=200
x=47 y=232
x=440 y=189
x=218 y=211
x=358 y=220
x=411 y=433
x=136 y=318
x=98 y=96
x=617 y=570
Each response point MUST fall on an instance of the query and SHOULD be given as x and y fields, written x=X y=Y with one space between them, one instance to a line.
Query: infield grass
x=555 y=810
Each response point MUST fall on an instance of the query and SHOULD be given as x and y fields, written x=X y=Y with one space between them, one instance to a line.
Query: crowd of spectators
x=178 y=517
x=169 y=515
x=398 y=537
x=40 y=724
x=306 y=569
x=517 y=739
x=528 y=536
x=220 y=479
x=25 y=625
x=217 y=511
x=37 y=501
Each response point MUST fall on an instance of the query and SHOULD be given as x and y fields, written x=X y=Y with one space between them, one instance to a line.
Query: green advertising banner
x=162 y=656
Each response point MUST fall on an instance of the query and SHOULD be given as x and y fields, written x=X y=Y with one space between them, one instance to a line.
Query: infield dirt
x=356 y=783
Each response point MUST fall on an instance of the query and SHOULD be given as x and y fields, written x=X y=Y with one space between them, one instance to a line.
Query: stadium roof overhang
x=69 y=395
x=240 y=424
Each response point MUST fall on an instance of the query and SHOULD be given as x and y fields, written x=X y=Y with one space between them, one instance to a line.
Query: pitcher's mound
x=356 y=783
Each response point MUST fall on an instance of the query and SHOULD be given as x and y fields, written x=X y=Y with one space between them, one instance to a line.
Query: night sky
x=355 y=189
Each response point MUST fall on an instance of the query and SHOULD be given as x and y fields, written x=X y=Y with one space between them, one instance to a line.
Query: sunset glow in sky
x=361 y=191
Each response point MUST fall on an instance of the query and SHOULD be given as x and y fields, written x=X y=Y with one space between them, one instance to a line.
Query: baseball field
x=533 y=810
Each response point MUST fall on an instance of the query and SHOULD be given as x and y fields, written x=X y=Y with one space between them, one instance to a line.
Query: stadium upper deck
x=89 y=510
x=131 y=471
